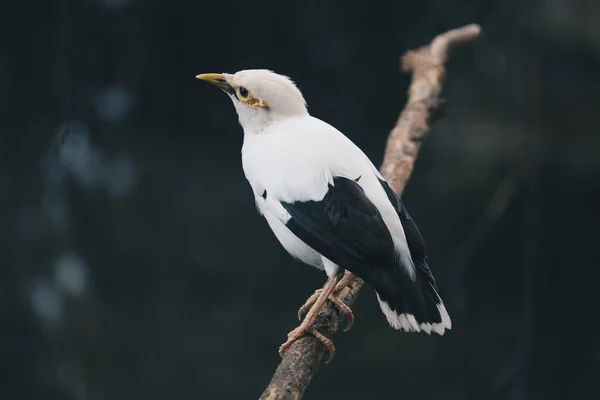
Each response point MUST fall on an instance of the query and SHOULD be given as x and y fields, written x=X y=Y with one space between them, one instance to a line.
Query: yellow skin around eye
x=251 y=100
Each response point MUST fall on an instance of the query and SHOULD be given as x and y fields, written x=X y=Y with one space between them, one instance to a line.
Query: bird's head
x=260 y=96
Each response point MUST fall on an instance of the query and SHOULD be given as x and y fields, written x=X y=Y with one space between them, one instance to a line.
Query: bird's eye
x=243 y=92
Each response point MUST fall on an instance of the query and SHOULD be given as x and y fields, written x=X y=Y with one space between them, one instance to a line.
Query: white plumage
x=291 y=157
x=295 y=159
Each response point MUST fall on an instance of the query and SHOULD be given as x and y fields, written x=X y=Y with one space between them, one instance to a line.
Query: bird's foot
x=303 y=330
x=344 y=309
x=315 y=303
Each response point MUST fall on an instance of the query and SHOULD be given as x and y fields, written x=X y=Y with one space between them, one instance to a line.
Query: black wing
x=348 y=229
x=415 y=241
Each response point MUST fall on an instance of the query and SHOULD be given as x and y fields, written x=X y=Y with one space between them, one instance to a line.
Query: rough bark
x=300 y=363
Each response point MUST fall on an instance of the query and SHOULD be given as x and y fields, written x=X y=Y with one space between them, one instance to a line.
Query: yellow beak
x=215 y=79
x=218 y=80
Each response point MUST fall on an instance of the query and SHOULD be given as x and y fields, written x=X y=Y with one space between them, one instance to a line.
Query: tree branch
x=300 y=363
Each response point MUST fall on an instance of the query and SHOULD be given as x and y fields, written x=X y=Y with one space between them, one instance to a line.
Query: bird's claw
x=299 y=332
x=344 y=309
x=308 y=304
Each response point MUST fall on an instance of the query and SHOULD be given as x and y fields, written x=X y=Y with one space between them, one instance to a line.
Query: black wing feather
x=347 y=228
x=418 y=252
x=415 y=241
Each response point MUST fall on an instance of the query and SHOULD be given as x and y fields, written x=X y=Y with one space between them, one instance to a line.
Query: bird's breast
x=287 y=170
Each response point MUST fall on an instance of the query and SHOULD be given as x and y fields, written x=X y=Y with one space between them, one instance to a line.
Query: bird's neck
x=262 y=122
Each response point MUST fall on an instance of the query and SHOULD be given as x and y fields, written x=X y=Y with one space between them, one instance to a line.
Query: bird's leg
x=307 y=325
x=345 y=281
x=344 y=309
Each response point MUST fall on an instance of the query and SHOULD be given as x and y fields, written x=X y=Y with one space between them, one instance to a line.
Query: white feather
x=408 y=323
x=295 y=158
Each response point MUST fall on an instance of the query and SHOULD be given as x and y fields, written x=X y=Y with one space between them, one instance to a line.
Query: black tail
x=412 y=305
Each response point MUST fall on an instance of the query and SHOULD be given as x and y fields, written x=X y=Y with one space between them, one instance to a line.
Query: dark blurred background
x=133 y=264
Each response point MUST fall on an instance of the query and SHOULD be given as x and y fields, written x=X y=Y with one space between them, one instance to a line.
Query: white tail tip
x=407 y=322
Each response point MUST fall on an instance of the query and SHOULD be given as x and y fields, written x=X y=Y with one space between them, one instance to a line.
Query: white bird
x=329 y=206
